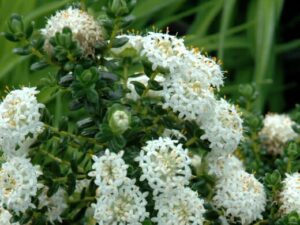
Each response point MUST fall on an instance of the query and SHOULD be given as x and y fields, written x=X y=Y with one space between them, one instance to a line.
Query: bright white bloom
x=165 y=164
x=202 y=66
x=173 y=134
x=123 y=206
x=131 y=48
x=180 y=206
x=109 y=169
x=18 y=184
x=196 y=161
x=19 y=117
x=163 y=50
x=188 y=95
x=290 y=194
x=276 y=132
x=222 y=164
x=85 y=29
x=224 y=130
x=56 y=204
x=133 y=95
x=241 y=196
x=5 y=217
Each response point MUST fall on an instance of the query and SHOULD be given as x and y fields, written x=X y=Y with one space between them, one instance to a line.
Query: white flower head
x=109 y=169
x=85 y=29
x=5 y=217
x=164 y=164
x=163 y=50
x=56 y=204
x=224 y=130
x=18 y=184
x=190 y=96
x=241 y=196
x=123 y=206
x=202 y=66
x=180 y=206
x=289 y=197
x=277 y=130
x=19 y=117
x=222 y=164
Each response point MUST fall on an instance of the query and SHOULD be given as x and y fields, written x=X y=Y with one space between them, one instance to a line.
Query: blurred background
x=256 y=40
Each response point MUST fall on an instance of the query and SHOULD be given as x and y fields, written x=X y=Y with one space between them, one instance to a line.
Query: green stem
x=74 y=137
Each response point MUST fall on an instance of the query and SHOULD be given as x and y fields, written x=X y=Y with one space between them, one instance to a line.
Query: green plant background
x=242 y=34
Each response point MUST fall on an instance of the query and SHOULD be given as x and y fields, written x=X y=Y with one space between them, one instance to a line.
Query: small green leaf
x=38 y=65
x=71 y=183
x=119 y=42
x=139 y=87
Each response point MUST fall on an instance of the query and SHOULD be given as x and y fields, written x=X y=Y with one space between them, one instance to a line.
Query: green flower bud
x=119 y=119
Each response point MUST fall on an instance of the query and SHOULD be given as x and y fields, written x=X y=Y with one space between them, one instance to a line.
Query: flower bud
x=118 y=119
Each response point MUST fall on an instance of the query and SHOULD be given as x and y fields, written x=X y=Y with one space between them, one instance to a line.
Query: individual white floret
x=277 y=130
x=18 y=184
x=205 y=67
x=5 y=217
x=125 y=205
x=290 y=195
x=180 y=206
x=56 y=204
x=19 y=117
x=188 y=95
x=222 y=164
x=241 y=196
x=224 y=129
x=173 y=134
x=85 y=29
x=165 y=164
x=109 y=169
x=163 y=50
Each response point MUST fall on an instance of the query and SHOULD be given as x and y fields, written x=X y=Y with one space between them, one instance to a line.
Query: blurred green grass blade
x=11 y=64
x=45 y=9
x=228 y=7
x=146 y=8
x=213 y=38
x=267 y=17
x=168 y=20
x=286 y=47
x=205 y=17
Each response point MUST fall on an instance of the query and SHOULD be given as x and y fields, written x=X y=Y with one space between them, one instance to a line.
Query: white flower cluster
x=56 y=204
x=18 y=184
x=190 y=79
x=19 y=126
x=241 y=196
x=277 y=130
x=220 y=165
x=165 y=165
x=19 y=117
x=85 y=29
x=120 y=202
x=5 y=217
x=180 y=206
x=289 y=197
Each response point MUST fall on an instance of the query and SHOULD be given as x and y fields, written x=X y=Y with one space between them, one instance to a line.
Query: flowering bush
x=146 y=137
